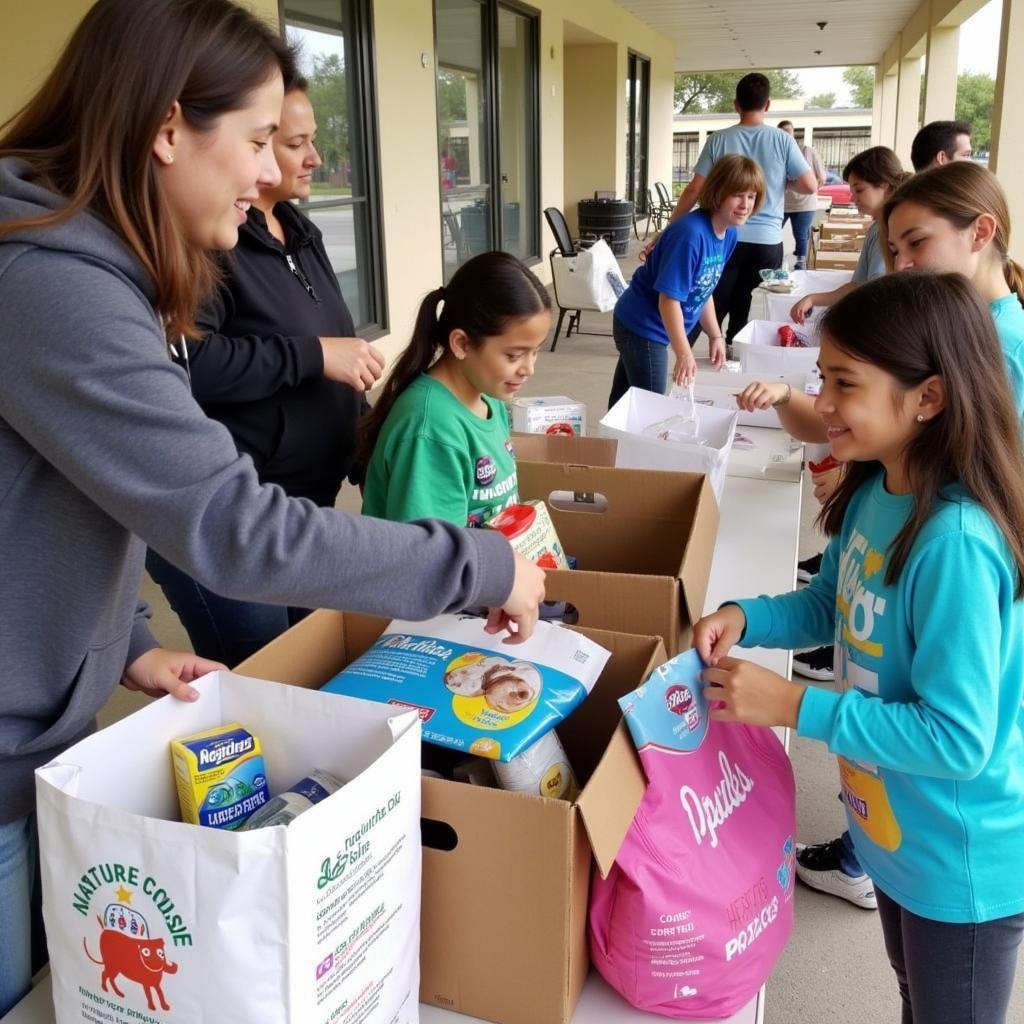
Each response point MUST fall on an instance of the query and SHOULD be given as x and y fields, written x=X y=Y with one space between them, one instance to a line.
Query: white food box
x=151 y=919
x=638 y=409
x=778 y=305
x=760 y=351
x=551 y=414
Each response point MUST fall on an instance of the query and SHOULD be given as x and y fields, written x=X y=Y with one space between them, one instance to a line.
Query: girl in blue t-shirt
x=672 y=290
x=920 y=590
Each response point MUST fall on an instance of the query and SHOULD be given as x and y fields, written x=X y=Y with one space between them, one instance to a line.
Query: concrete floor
x=834 y=970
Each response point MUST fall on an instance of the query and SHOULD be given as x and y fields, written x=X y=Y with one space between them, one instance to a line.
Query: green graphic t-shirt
x=435 y=459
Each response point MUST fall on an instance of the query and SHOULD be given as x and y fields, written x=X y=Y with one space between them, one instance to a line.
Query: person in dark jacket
x=281 y=368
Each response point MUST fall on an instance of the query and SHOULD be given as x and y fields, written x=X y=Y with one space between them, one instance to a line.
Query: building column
x=1007 y=154
x=808 y=134
x=908 y=106
x=943 y=49
x=702 y=137
x=876 y=106
x=887 y=125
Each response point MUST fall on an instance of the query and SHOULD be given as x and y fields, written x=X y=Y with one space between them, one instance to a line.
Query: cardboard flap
x=560 y=448
x=611 y=799
x=699 y=552
x=616 y=785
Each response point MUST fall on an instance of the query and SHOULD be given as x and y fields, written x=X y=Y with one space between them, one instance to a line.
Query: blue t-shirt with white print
x=780 y=160
x=685 y=264
x=927 y=717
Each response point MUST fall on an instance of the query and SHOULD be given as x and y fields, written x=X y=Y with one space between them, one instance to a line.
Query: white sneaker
x=820 y=867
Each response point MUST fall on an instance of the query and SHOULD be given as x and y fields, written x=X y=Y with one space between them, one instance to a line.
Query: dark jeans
x=642 y=363
x=739 y=278
x=950 y=973
x=220 y=628
x=802 y=221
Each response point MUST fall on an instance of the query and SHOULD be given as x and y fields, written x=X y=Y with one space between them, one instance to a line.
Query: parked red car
x=836 y=189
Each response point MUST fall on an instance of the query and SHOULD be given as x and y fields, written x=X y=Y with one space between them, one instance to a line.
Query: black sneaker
x=816 y=664
x=821 y=868
x=808 y=568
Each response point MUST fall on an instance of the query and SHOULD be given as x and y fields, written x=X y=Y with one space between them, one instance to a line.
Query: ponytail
x=486 y=294
x=418 y=357
x=1014 y=274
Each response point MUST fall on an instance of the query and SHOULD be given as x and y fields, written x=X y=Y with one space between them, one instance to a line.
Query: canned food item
x=542 y=769
x=531 y=533
x=284 y=808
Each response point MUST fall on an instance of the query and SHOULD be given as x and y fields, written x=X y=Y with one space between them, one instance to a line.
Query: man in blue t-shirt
x=760 y=239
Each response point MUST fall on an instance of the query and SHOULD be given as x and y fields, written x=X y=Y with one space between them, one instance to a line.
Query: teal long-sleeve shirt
x=927 y=720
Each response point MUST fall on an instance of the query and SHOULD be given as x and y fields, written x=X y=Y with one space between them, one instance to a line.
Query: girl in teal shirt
x=438 y=444
x=920 y=590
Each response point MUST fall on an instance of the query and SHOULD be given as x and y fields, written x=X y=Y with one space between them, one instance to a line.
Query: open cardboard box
x=643 y=539
x=506 y=876
x=824 y=260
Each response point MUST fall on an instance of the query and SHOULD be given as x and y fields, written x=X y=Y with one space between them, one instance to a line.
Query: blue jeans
x=21 y=922
x=802 y=222
x=848 y=856
x=950 y=973
x=220 y=628
x=642 y=363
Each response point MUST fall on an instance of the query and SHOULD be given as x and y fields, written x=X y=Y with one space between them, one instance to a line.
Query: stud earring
x=920 y=418
x=169 y=157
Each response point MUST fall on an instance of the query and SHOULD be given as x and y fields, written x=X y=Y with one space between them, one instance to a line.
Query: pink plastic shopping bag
x=699 y=904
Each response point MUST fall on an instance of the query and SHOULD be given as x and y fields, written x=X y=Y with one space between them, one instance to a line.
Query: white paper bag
x=589 y=280
x=152 y=920
x=638 y=410
x=760 y=351
x=778 y=305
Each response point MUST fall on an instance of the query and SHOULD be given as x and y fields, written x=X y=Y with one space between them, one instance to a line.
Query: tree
x=975 y=95
x=451 y=96
x=329 y=96
x=861 y=81
x=823 y=101
x=714 y=91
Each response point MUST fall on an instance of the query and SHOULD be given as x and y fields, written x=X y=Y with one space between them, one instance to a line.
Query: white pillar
x=808 y=134
x=1007 y=156
x=908 y=107
x=943 y=49
x=887 y=128
x=877 y=99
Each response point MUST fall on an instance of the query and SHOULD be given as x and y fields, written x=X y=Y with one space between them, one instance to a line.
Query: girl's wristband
x=785 y=398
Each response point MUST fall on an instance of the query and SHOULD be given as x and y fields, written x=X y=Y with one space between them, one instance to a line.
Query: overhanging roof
x=716 y=35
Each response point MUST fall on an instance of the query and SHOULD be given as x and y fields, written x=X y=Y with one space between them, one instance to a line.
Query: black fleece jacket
x=259 y=368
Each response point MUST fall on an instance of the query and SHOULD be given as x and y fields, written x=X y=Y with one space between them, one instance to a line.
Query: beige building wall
x=407 y=112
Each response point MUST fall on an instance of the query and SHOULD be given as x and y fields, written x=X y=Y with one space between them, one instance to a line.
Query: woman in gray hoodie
x=140 y=153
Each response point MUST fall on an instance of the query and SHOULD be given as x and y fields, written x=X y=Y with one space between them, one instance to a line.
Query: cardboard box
x=554 y=414
x=777 y=306
x=639 y=411
x=835 y=260
x=851 y=243
x=760 y=351
x=506 y=876
x=844 y=229
x=561 y=448
x=643 y=542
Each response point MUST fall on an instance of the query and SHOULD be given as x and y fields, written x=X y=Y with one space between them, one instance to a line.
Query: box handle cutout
x=588 y=502
x=438 y=835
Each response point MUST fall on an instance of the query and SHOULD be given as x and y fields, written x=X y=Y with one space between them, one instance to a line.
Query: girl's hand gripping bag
x=699 y=903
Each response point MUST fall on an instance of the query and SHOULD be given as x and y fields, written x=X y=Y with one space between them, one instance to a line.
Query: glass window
x=487 y=118
x=335 y=45
x=637 y=84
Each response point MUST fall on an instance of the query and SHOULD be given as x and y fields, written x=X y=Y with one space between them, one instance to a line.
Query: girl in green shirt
x=437 y=443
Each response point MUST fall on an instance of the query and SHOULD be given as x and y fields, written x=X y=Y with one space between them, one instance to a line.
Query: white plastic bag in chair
x=589 y=280
x=152 y=920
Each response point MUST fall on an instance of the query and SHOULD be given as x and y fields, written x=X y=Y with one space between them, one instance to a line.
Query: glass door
x=486 y=119
x=517 y=114
x=638 y=79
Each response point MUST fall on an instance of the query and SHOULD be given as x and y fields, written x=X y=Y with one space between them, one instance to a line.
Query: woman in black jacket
x=280 y=367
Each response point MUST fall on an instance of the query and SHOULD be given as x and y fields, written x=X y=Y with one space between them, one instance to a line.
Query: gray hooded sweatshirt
x=103 y=451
